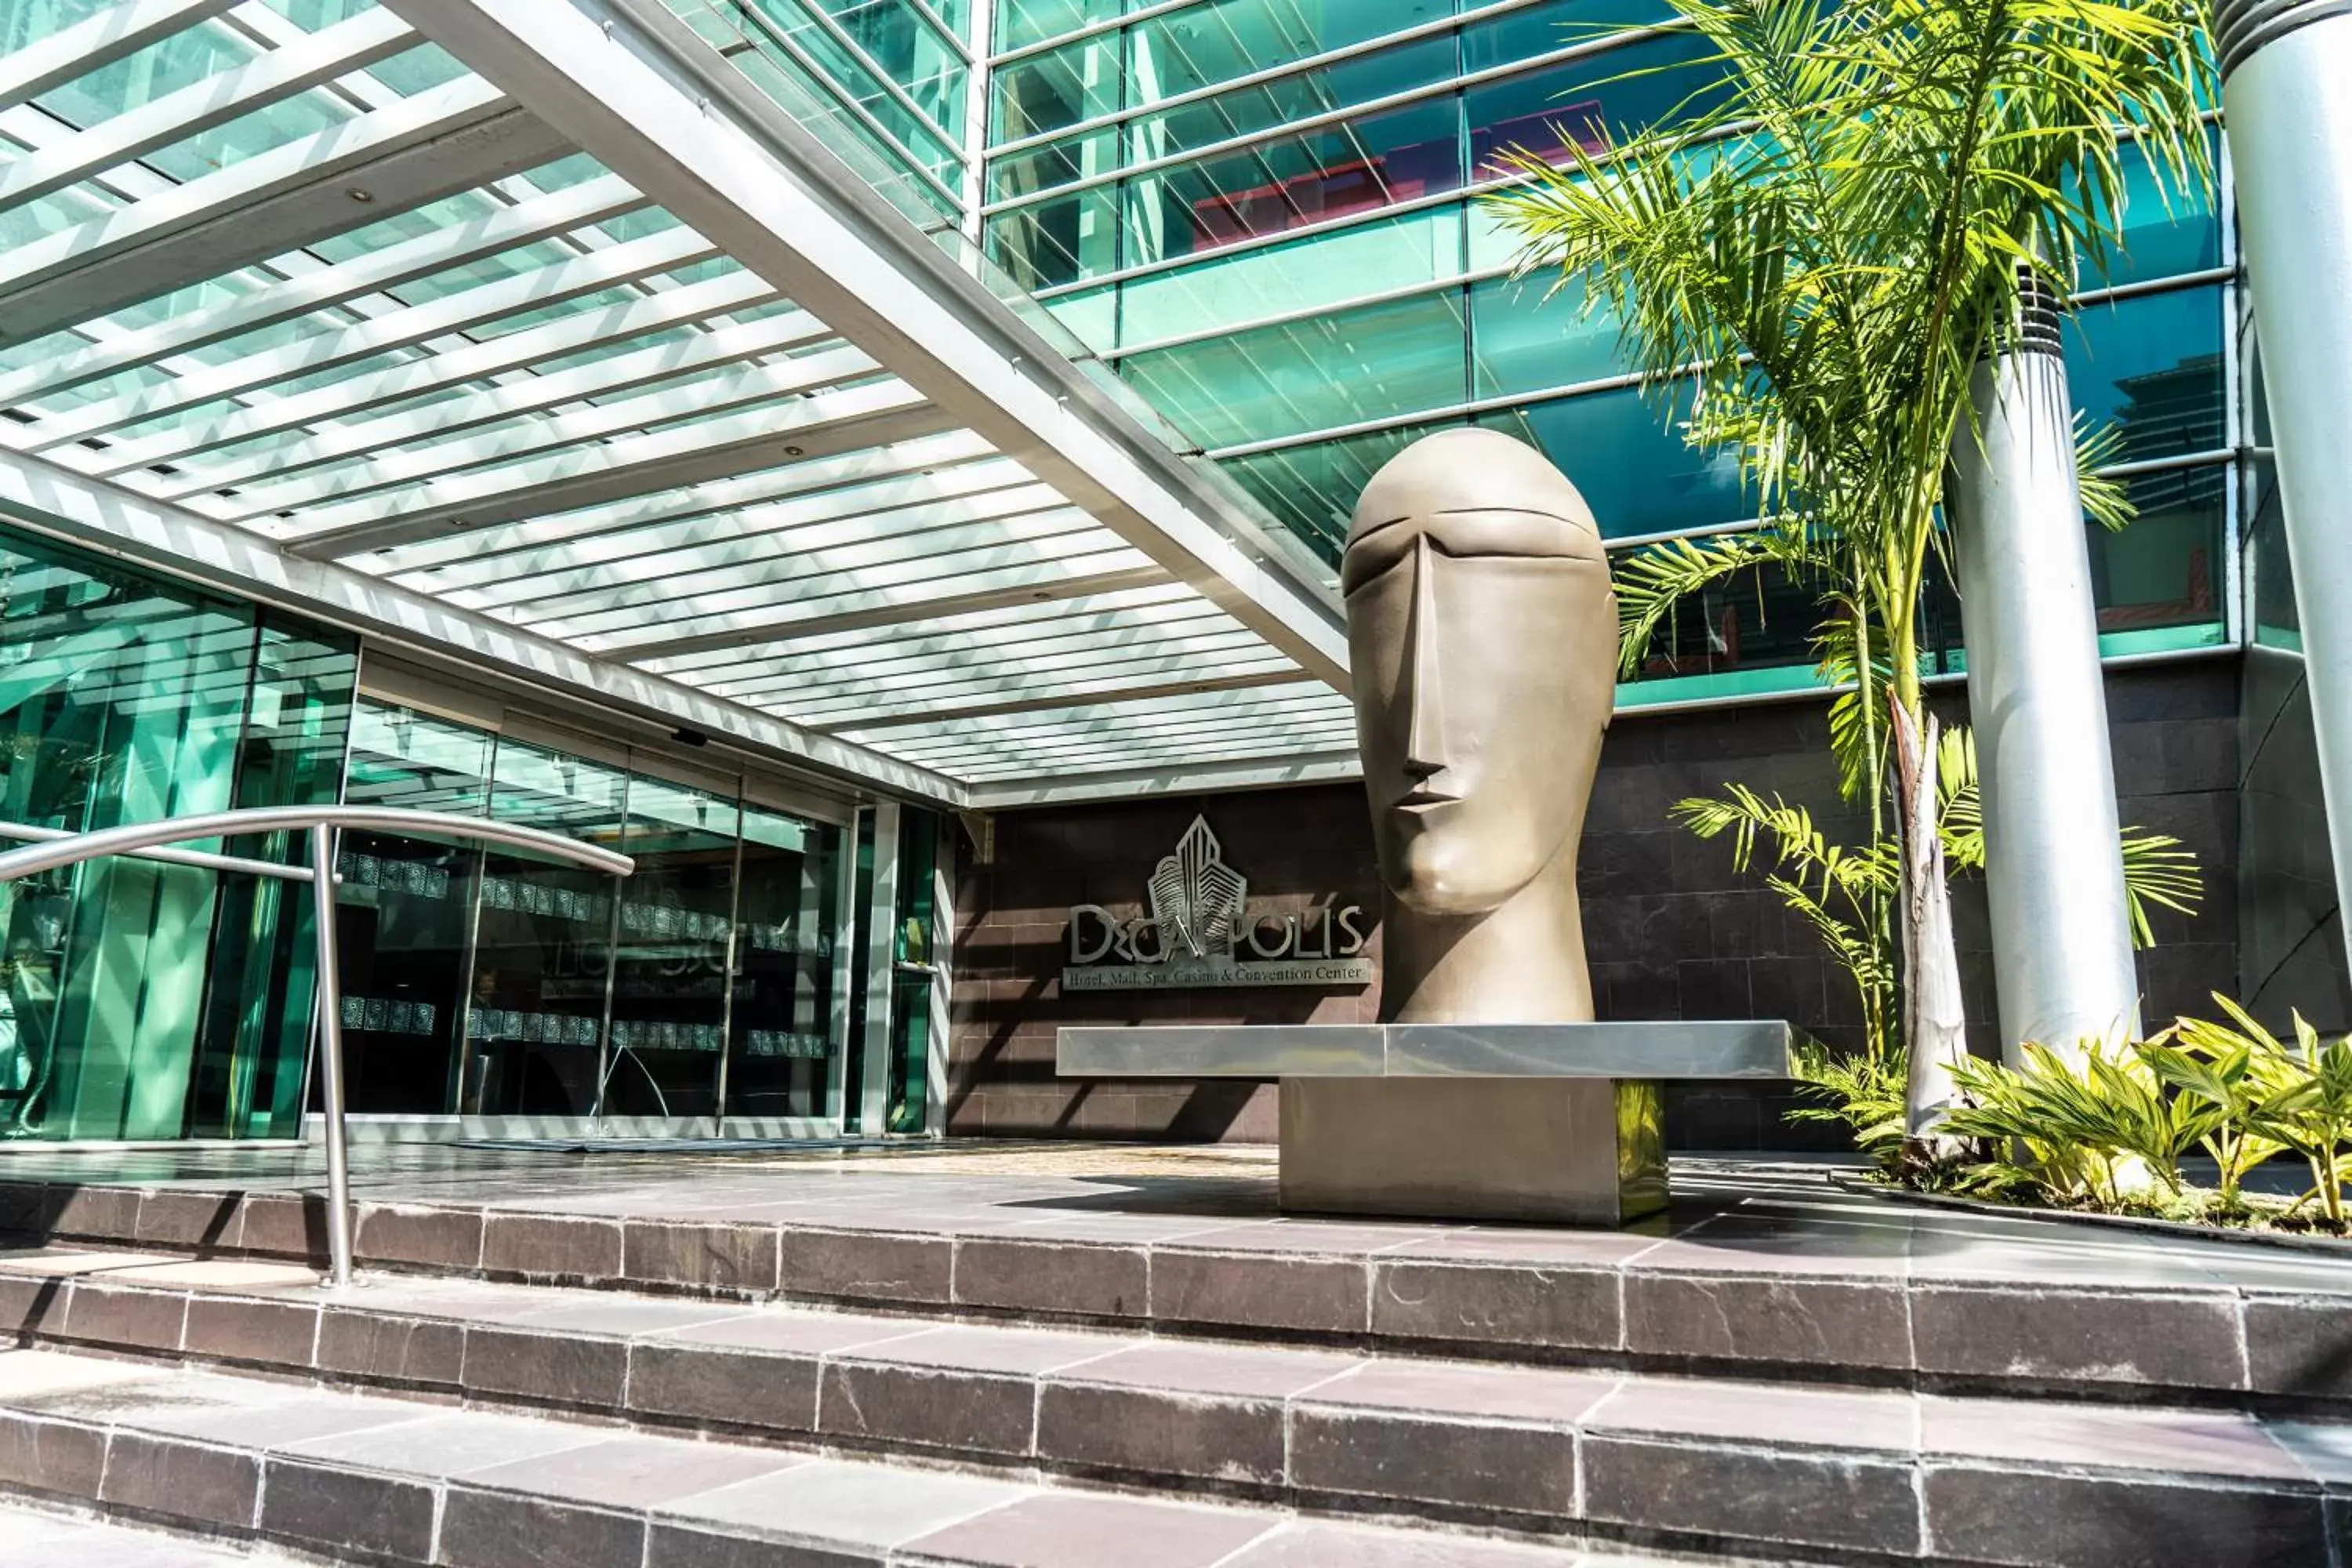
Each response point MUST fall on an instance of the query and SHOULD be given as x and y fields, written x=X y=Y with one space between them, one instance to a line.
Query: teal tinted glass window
x=929 y=134
x=2165 y=232
x=404 y=912
x=910 y=50
x=1201 y=46
x=543 y=944
x=1523 y=341
x=670 y=954
x=1588 y=102
x=1053 y=165
x=1299 y=95
x=915 y=991
x=141 y=999
x=1355 y=166
x=1046 y=91
x=1625 y=452
x=1312 y=488
x=1555 y=25
x=1328 y=269
x=1338 y=369
x=1020 y=23
x=783 y=1047
x=2151 y=366
x=1753 y=620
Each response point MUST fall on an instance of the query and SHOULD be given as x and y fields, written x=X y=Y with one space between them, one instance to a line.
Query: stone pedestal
x=1564 y=1150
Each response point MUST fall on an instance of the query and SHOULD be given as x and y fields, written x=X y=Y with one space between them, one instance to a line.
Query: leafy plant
x=2296 y=1097
x=2234 y=1073
x=2082 y=1117
x=2107 y=1126
x=1806 y=260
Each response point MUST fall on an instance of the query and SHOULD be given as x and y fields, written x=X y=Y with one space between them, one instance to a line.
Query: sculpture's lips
x=1421 y=796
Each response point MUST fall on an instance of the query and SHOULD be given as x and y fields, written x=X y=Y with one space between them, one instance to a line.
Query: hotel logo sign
x=1201 y=934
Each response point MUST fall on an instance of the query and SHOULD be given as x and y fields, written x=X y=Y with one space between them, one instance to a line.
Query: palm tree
x=1811 y=256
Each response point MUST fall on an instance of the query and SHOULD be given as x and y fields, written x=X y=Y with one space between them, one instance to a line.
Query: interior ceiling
x=337 y=290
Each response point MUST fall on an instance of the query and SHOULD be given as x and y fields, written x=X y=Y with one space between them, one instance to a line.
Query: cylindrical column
x=2286 y=67
x=2037 y=702
x=331 y=1056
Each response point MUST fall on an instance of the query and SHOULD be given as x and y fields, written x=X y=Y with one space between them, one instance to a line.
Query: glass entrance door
x=702 y=993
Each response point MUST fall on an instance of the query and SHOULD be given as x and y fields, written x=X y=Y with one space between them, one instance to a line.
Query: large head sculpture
x=1483 y=638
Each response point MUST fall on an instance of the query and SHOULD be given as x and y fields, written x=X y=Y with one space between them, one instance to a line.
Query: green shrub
x=2106 y=1127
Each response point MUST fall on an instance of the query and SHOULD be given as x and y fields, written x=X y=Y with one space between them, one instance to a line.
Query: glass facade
x=141 y=999
x=885 y=82
x=1263 y=214
x=486 y=982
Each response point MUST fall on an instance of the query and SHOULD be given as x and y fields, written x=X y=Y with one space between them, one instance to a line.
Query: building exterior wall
x=1673 y=930
x=1265 y=218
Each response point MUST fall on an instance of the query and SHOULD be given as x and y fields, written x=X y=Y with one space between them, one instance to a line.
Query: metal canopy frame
x=535 y=333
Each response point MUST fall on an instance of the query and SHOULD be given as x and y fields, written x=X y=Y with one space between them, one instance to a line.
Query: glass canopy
x=497 y=343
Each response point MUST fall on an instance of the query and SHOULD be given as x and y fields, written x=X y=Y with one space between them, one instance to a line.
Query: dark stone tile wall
x=1673 y=929
x=2290 y=930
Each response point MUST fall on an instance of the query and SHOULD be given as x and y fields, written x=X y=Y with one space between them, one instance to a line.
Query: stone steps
x=371 y=1479
x=1687 y=1463
x=1918 y=1300
x=31 y=1536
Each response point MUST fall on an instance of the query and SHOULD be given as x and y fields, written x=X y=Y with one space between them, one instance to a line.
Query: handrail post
x=331 y=1056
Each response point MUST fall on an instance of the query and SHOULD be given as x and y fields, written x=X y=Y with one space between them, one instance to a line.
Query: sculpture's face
x=1483 y=638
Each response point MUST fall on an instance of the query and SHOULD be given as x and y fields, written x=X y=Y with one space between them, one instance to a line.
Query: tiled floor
x=1729 y=1215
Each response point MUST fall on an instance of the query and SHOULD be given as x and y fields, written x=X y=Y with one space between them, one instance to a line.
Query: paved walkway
x=1728 y=1212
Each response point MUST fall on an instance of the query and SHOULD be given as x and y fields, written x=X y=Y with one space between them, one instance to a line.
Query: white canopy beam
x=889 y=609
x=830 y=422
x=433 y=145
x=536 y=290
x=325 y=288
x=352 y=44
x=111 y=34
x=632 y=86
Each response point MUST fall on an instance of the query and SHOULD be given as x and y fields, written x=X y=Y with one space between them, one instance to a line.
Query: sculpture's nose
x=1423 y=692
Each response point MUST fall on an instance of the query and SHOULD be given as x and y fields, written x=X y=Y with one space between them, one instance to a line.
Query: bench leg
x=1588 y=1152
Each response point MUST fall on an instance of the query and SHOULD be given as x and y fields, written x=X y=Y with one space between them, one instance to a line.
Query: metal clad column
x=2286 y=69
x=2053 y=872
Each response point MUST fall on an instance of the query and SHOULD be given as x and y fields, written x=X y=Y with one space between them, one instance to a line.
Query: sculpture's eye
x=1375 y=550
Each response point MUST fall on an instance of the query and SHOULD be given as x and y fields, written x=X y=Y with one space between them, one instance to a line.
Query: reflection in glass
x=405 y=912
x=2151 y=366
x=2163 y=569
x=669 y=968
x=914 y=970
x=1624 y=450
x=781 y=1041
x=1310 y=375
x=1756 y=619
x=543 y=941
x=1358 y=166
x=139 y=999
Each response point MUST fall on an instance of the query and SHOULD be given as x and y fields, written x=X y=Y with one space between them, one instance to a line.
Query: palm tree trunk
x=1935 y=1019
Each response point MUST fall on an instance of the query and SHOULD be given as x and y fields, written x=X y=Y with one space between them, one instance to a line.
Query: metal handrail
x=321 y=821
x=202 y=859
